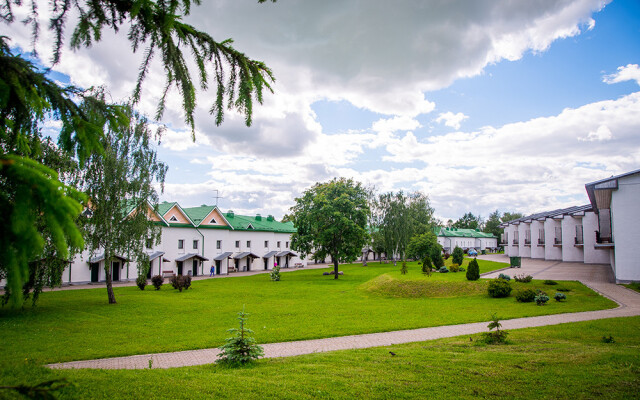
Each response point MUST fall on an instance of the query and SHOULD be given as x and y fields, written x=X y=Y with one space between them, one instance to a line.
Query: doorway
x=179 y=263
x=195 y=267
x=248 y=264
x=218 y=262
x=150 y=270
x=266 y=263
x=95 y=270
x=115 y=271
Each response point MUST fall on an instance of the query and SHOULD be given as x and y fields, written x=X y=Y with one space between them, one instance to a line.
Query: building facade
x=195 y=239
x=466 y=239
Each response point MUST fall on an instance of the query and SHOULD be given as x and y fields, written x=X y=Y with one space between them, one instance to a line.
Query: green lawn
x=79 y=324
x=561 y=361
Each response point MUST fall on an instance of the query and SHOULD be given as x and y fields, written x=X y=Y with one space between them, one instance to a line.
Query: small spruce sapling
x=426 y=266
x=457 y=256
x=404 y=269
x=275 y=273
x=473 y=270
x=241 y=348
x=497 y=336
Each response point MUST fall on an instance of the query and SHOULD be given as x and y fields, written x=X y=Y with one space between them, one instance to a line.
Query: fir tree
x=241 y=348
x=457 y=257
x=473 y=270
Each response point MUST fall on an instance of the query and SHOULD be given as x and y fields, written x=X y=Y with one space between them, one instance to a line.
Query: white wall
x=625 y=220
x=523 y=250
x=591 y=254
x=571 y=252
x=536 y=251
x=551 y=252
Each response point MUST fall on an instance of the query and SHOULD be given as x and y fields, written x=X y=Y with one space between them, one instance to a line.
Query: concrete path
x=628 y=300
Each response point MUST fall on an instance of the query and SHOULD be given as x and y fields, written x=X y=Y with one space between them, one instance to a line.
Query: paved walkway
x=595 y=277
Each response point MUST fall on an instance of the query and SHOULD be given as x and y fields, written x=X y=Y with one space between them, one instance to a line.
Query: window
x=278 y=244
x=540 y=236
x=286 y=245
x=218 y=244
x=266 y=243
x=237 y=244
x=181 y=244
x=195 y=244
x=579 y=238
x=149 y=243
x=173 y=219
x=213 y=221
x=248 y=243
x=558 y=238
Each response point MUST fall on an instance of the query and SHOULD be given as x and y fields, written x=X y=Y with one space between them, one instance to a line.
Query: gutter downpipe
x=201 y=262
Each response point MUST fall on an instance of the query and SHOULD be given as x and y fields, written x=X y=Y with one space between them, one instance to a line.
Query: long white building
x=466 y=239
x=605 y=231
x=195 y=239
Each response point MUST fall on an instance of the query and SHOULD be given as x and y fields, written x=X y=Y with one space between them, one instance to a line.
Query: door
x=115 y=271
x=179 y=263
x=195 y=267
x=248 y=263
x=266 y=263
x=95 y=269
x=286 y=261
x=218 y=262
x=150 y=270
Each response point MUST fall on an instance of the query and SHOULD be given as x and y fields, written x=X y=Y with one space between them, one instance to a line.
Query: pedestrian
x=213 y=271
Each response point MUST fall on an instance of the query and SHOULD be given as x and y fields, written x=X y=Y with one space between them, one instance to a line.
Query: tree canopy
x=468 y=221
x=331 y=219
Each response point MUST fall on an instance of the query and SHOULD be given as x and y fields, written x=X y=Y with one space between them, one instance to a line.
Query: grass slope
x=562 y=361
x=79 y=324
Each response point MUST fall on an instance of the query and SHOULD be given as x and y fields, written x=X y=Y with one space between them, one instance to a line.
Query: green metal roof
x=164 y=207
x=461 y=232
x=258 y=223
x=197 y=214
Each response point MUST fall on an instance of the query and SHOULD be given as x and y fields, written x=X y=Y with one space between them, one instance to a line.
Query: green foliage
x=522 y=278
x=473 y=270
x=560 y=296
x=541 y=298
x=436 y=257
x=44 y=390
x=468 y=221
x=420 y=246
x=550 y=282
x=454 y=268
x=141 y=282
x=563 y=289
x=526 y=295
x=504 y=276
x=404 y=269
x=241 y=348
x=186 y=281
x=427 y=266
x=331 y=219
x=157 y=281
x=499 y=288
x=275 y=273
x=495 y=337
x=180 y=282
x=608 y=339
x=492 y=224
x=457 y=256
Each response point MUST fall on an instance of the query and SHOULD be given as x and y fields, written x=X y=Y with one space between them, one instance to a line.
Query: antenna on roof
x=217 y=196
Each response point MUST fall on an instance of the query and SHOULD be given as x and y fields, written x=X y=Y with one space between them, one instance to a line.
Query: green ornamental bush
x=522 y=278
x=473 y=270
x=550 y=282
x=526 y=295
x=541 y=298
x=457 y=256
x=436 y=257
x=505 y=277
x=275 y=273
x=560 y=296
x=403 y=268
x=426 y=265
x=443 y=270
x=141 y=281
x=157 y=281
x=454 y=268
x=499 y=288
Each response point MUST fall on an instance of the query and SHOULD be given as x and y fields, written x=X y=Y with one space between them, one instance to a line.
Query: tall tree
x=493 y=224
x=331 y=219
x=421 y=246
x=468 y=221
x=120 y=186
x=507 y=216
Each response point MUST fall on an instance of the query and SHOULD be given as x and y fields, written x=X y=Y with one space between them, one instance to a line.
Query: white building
x=603 y=232
x=466 y=239
x=195 y=239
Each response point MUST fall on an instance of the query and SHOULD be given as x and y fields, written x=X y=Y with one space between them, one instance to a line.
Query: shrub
x=426 y=265
x=186 y=281
x=522 y=278
x=157 y=281
x=180 y=282
x=275 y=273
x=454 y=268
x=560 y=296
x=608 y=339
x=173 y=281
x=505 y=277
x=499 y=288
x=563 y=289
x=458 y=255
x=241 y=348
x=436 y=257
x=403 y=268
x=141 y=281
x=443 y=270
x=541 y=298
x=497 y=336
x=446 y=256
x=526 y=295
x=550 y=282
x=473 y=270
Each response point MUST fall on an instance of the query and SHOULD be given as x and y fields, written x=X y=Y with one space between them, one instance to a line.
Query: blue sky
x=484 y=105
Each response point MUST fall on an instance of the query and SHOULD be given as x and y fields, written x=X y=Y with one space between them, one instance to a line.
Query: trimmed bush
x=522 y=278
x=426 y=265
x=275 y=273
x=180 y=282
x=541 y=298
x=454 y=268
x=186 y=281
x=458 y=256
x=560 y=296
x=526 y=295
x=436 y=257
x=141 y=281
x=563 y=289
x=505 y=277
x=550 y=282
x=473 y=270
x=443 y=270
x=499 y=288
x=157 y=281
x=403 y=268
x=173 y=281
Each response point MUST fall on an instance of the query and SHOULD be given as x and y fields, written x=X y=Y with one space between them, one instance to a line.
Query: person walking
x=212 y=271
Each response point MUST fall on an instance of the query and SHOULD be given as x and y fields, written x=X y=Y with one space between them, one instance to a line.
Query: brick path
x=628 y=300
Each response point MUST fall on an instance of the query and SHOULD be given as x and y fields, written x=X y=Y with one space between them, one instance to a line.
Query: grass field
x=79 y=324
x=562 y=361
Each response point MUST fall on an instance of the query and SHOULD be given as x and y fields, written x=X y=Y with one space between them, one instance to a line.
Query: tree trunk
x=110 y=295
x=335 y=267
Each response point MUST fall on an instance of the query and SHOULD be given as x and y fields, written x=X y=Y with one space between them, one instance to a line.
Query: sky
x=481 y=105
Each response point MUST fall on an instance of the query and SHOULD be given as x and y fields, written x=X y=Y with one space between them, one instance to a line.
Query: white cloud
x=452 y=120
x=630 y=72
x=398 y=123
x=599 y=135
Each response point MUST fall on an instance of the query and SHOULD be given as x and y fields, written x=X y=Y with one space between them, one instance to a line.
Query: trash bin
x=484 y=252
x=515 y=262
